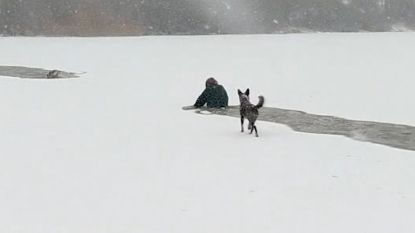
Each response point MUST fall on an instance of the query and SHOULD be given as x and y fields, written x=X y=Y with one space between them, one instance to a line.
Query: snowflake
x=346 y=2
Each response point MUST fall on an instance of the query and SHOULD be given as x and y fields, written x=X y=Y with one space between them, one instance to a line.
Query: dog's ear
x=239 y=92
x=247 y=92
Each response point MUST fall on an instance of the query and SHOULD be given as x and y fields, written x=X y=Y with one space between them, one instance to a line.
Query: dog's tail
x=261 y=102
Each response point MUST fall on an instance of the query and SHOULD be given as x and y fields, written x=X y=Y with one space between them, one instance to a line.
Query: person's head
x=211 y=82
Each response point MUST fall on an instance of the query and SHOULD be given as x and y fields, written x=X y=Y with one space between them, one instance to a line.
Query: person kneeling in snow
x=214 y=95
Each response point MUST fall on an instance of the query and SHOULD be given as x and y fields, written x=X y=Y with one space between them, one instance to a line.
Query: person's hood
x=211 y=82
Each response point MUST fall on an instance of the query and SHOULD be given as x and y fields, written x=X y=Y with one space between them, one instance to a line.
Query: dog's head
x=243 y=96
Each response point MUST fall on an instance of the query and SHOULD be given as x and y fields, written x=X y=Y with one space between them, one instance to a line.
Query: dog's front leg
x=256 y=131
x=251 y=127
x=242 y=123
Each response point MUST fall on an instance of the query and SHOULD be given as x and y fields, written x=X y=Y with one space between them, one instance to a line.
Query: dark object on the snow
x=53 y=74
x=214 y=95
x=248 y=110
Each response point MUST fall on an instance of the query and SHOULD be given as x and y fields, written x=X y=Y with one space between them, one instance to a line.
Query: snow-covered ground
x=113 y=151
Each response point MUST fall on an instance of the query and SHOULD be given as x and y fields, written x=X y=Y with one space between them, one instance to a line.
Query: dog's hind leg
x=256 y=131
x=242 y=123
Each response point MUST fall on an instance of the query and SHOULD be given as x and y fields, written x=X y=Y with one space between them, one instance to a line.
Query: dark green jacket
x=213 y=96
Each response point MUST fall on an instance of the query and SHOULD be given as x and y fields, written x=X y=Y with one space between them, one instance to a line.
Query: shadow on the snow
x=35 y=73
x=393 y=135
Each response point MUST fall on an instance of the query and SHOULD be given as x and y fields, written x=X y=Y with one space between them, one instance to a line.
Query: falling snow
x=152 y=17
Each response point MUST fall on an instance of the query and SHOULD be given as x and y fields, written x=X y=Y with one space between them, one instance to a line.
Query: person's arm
x=201 y=100
x=224 y=96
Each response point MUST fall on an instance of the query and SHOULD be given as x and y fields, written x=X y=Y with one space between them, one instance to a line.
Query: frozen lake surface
x=114 y=152
x=389 y=134
x=32 y=73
